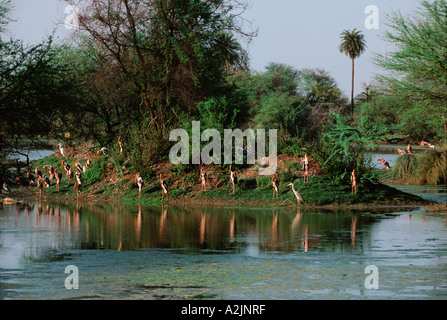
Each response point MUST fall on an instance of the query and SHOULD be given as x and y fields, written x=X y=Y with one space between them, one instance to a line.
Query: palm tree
x=353 y=45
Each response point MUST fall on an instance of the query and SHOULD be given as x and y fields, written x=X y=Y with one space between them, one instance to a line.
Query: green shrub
x=263 y=182
x=96 y=172
x=246 y=184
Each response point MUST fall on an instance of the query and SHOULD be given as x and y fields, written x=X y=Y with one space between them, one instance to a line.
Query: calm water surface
x=137 y=252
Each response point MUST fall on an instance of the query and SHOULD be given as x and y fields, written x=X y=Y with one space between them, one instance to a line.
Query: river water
x=137 y=252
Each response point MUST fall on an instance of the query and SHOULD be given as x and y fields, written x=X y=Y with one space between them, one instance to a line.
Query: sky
x=299 y=33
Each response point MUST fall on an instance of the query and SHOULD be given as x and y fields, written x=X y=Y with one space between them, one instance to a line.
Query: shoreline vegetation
x=108 y=179
x=160 y=74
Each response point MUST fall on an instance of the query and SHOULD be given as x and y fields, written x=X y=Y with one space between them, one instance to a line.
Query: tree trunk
x=352 y=87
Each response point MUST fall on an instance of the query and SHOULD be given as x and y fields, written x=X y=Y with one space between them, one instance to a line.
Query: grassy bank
x=108 y=179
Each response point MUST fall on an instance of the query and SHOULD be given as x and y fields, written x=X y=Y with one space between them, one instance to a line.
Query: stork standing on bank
x=79 y=166
x=58 y=176
x=139 y=182
x=30 y=178
x=120 y=145
x=40 y=185
x=164 y=187
x=203 y=176
x=67 y=169
x=46 y=181
x=62 y=150
x=298 y=196
x=426 y=145
x=78 y=184
x=38 y=172
x=306 y=168
x=6 y=187
x=353 y=182
x=233 y=178
x=275 y=187
x=103 y=150
x=50 y=170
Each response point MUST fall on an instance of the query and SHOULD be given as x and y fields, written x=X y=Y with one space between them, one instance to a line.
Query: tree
x=35 y=91
x=317 y=86
x=417 y=69
x=352 y=45
x=176 y=53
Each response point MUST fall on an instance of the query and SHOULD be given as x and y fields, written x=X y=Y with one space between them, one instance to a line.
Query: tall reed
x=427 y=168
x=432 y=167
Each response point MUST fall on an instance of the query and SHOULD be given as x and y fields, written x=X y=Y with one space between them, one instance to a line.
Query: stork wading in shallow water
x=164 y=187
x=233 y=178
x=298 y=196
x=275 y=187
x=203 y=177
x=139 y=182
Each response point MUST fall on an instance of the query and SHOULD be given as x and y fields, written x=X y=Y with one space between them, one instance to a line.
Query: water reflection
x=132 y=228
x=170 y=252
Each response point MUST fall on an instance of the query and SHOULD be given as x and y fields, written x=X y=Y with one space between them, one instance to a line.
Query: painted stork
x=409 y=149
x=401 y=152
x=203 y=176
x=120 y=145
x=66 y=167
x=50 y=170
x=79 y=166
x=298 y=196
x=426 y=145
x=103 y=150
x=62 y=150
x=30 y=178
x=58 y=176
x=306 y=168
x=21 y=181
x=353 y=182
x=88 y=163
x=275 y=187
x=139 y=182
x=165 y=188
x=233 y=178
x=385 y=163
x=40 y=185
x=6 y=187
x=78 y=183
x=38 y=172
x=46 y=181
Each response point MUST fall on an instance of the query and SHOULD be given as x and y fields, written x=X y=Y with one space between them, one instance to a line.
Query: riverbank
x=107 y=179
